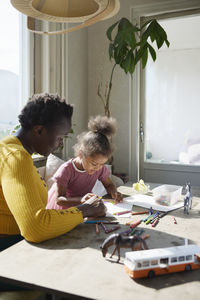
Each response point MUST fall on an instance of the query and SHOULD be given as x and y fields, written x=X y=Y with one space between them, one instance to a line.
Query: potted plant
x=128 y=46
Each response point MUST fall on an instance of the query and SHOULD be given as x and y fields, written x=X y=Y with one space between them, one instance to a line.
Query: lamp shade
x=86 y=12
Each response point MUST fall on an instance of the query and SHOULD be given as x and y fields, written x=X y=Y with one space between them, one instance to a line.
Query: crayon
x=122 y=212
x=100 y=221
x=155 y=222
x=175 y=222
x=97 y=228
x=135 y=224
x=140 y=212
x=112 y=229
x=126 y=232
x=106 y=230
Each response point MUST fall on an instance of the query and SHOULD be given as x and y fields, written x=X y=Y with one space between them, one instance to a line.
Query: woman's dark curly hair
x=44 y=109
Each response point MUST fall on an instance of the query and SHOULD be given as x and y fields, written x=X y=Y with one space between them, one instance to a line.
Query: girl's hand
x=111 y=190
x=63 y=201
x=117 y=197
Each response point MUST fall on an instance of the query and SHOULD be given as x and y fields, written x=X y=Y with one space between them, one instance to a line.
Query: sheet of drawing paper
x=116 y=208
x=149 y=201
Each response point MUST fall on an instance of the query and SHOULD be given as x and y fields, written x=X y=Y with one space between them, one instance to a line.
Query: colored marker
x=175 y=222
x=151 y=218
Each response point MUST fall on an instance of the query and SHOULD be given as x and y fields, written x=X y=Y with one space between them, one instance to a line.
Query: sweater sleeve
x=26 y=197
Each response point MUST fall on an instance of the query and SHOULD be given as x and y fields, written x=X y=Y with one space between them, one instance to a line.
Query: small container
x=167 y=195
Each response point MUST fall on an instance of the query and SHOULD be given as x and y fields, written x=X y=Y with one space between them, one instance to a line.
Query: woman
x=45 y=120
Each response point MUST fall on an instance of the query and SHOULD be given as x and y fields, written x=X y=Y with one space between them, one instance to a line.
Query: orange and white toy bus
x=148 y=263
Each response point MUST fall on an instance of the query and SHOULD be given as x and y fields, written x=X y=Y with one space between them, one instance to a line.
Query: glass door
x=170 y=107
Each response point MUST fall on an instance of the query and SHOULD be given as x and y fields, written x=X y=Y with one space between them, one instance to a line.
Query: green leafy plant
x=130 y=45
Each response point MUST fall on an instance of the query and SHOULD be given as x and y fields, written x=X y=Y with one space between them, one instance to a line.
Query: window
x=145 y=263
x=154 y=262
x=181 y=258
x=188 y=257
x=173 y=259
x=164 y=260
x=11 y=82
x=172 y=96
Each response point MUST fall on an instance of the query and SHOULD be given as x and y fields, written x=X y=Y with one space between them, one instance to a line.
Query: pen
x=100 y=221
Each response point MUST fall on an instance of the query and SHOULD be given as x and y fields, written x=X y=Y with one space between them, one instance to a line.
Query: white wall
x=61 y=66
x=86 y=64
x=122 y=101
x=78 y=82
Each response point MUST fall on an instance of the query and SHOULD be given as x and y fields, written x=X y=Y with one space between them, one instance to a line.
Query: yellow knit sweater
x=23 y=198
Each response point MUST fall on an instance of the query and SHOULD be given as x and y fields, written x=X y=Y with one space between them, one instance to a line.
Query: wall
x=124 y=106
x=61 y=66
x=73 y=66
x=78 y=82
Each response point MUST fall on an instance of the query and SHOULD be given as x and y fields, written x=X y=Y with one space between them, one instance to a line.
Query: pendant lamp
x=86 y=12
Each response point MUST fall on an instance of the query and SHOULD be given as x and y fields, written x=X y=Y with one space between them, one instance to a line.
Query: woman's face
x=92 y=164
x=52 y=138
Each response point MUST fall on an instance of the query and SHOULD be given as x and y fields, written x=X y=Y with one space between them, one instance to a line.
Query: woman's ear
x=38 y=130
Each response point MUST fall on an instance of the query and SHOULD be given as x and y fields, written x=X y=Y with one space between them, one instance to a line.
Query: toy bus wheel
x=151 y=274
x=187 y=268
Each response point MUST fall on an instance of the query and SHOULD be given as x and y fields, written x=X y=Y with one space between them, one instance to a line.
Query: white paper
x=116 y=208
x=149 y=201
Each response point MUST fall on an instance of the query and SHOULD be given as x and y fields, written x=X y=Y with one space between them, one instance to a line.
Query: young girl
x=77 y=177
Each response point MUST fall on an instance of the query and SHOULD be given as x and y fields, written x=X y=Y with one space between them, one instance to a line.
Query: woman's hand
x=92 y=207
x=87 y=197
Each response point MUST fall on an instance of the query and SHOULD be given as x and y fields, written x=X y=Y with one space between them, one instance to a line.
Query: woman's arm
x=26 y=196
x=111 y=190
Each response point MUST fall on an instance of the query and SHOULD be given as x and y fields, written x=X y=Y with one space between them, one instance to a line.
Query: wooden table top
x=73 y=264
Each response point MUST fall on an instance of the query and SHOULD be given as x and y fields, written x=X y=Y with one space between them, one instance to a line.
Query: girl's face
x=92 y=164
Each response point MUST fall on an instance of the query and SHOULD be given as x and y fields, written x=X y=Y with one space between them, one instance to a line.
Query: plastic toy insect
x=187 y=199
x=120 y=241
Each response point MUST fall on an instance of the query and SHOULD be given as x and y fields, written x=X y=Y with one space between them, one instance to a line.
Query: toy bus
x=148 y=263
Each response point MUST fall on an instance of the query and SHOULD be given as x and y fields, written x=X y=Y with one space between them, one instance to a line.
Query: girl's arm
x=111 y=190
x=69 y=201
x=62 y=200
